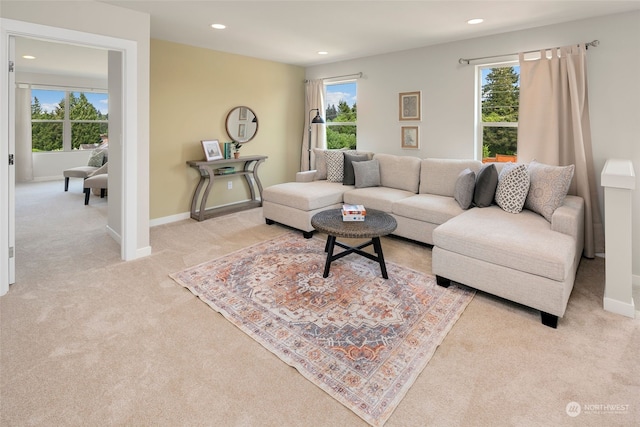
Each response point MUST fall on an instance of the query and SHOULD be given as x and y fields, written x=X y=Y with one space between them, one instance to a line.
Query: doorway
x=123 y=197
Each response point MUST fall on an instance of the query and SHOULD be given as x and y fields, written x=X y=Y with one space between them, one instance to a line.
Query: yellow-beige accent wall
x=192 y=90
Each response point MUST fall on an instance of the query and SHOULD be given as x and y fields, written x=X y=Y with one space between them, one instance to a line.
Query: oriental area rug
x=362 y=339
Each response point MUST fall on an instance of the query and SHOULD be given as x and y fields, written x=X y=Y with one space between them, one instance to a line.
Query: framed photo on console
x=212 y=150
x=410 y=137
x=410 y=106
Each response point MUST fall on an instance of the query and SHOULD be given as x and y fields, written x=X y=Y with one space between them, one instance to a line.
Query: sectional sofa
x=507 y=229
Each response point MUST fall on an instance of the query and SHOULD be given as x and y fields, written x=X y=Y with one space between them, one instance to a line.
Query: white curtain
x=314 y=99
x=24 y=155
x=554 y=127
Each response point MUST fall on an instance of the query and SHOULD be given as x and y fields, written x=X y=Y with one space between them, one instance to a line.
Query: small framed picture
x=410 y=137
x=410 y=106
x=212 y=150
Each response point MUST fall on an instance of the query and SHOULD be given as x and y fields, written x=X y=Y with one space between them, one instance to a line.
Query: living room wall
x=447 y=126
x=192 y=90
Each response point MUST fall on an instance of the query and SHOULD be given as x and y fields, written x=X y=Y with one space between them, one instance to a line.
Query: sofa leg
x=86 y=195
x=443 y=281
x=103 y=192
x=549 y=320
x=66 y=183
x=307 y=234
x=269 y=221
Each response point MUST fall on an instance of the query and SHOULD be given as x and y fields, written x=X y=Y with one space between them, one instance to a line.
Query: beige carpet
x=86 y=339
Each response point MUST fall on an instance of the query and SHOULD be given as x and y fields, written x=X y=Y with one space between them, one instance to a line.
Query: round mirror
x=242 y=124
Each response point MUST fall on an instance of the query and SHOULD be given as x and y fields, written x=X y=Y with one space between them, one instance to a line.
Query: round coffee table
x=375 y=225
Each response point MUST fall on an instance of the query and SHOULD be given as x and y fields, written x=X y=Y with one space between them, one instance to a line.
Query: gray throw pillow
x=349 y=176
x=513 y=187
x=367 y=173
x=486 y=183
x=549 y=186
x=464 y=190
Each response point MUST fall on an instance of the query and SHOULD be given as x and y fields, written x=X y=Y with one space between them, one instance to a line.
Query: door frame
x=129 y=144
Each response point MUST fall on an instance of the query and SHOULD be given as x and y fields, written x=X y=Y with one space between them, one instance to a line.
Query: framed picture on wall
x=410 y=137
x=212 y=150
x=410 y=106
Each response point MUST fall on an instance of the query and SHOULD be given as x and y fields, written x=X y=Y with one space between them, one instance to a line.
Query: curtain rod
x=594 y=43
x=358 y=75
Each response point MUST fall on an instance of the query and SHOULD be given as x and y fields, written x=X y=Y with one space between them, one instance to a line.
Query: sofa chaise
x=468 y=211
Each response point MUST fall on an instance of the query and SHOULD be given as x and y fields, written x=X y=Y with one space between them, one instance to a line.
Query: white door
x=11 y=91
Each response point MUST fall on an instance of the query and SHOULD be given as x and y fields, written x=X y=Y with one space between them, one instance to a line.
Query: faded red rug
x=360 y=338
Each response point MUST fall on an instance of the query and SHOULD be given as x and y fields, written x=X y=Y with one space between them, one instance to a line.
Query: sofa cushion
x=465 y=186
x=399 y=172
x=486 y=183
x=305 y=196
x=548 y=188
x=438 y=176
x=381 y=198
x=349 y=177
x=367 y=173
x=428 y=208
x=513 y=187
x=524 y=242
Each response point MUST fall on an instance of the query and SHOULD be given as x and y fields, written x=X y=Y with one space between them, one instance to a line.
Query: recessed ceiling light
x=323 y=52
x=475 y=21
x=218 y=26
x=28 y=57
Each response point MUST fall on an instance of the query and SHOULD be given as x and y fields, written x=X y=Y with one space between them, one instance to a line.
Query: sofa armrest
x=101 y=170
x=569 y=219
x=305 y=176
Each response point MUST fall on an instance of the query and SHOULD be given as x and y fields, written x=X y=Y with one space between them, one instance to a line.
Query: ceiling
x=292 y=32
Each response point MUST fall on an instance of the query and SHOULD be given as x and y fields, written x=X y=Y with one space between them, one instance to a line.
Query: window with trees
x=499 y=101
x=64 y=120
x=341 y=115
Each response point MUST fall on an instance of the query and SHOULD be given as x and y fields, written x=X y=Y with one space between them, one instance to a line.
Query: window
x=54 y=127
x=499 y=96
x=341 y=114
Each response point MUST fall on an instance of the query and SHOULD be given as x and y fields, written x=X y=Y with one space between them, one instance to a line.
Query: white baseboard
x=143 y=252
x=115 y=236
x=620 y=307
x=169 y=219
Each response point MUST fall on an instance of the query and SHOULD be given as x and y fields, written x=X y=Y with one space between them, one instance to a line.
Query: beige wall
x=192 y=90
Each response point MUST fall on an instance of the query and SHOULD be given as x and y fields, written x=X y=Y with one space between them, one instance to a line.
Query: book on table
x=353 y=213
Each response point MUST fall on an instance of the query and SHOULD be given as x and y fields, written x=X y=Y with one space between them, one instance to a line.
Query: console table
x=207 y=176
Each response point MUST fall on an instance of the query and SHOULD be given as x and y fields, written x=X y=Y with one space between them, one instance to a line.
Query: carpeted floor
x=86 y=339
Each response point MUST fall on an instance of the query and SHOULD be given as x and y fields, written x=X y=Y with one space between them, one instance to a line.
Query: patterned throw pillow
x=513 y=187
x=465 y=186
x=335 y=165
x=96 y=159
x=549 y=186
